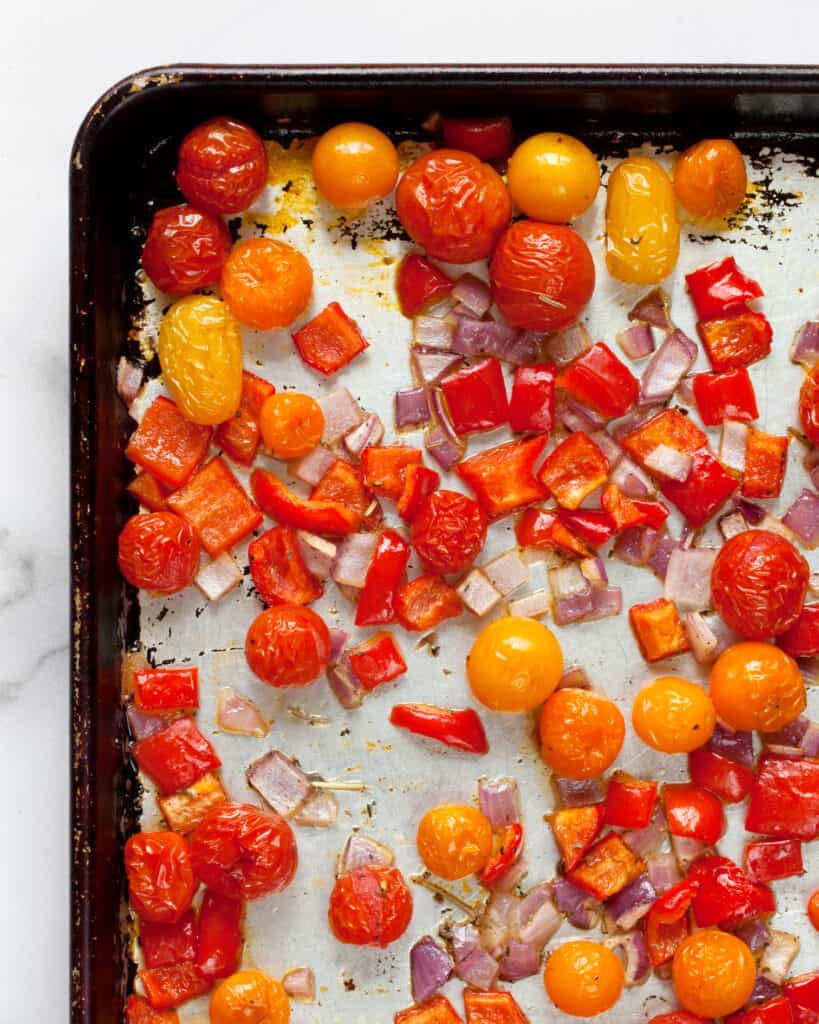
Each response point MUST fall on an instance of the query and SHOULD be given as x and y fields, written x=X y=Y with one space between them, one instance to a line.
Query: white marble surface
x=55 y=59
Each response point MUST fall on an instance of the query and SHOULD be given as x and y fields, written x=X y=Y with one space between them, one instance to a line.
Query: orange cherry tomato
x=161 y=883
x=714 y=973
x=583 y=978
x=581 y=733
x=449 y=531
x=370 y=906
x=266 y=283
x=454 y=840
x=249 y=997
x=158 y=551
x=453 y=205
x=673 y=715
x=813 y=909
x=287 y=646
x=809 y=406
x=222 y=166
x=553 y=177
x=642 y=229
x=710 y=178
x=514 y=664
x=185 y=249
x=756 y=686
x=354 y=164
x=291 y=424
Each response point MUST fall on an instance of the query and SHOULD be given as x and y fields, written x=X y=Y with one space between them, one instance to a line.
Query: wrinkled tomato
x=425 y=602
x=222 y=166
x=370 y=906
x=287 y=646
x=185 y=249
x=161 y=882
x=158 y=551
x=278 y=570
x=449 y=531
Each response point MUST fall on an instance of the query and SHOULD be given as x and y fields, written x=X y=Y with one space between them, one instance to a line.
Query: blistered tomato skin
x=200 y=352
x=542 y=275
x=553 y=177
x=449 y=531
x=370 y=906
x=757 y=687
x=809 y=406
x=266 y=283
x=514 y=664
x=454 y=841
x=161 y=883
x=642 y=228
x=354 y=164
x=713 y=973
x=185 y=249
x=249 y=997
x=710 y=178
x=222 y=166
x=453 y=205
x=287 y=646
x=158 y=552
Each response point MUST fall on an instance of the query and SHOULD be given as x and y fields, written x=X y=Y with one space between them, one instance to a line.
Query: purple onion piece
x=574 y=678
x=338 y=640
x=279 y=781
x=755 y=934
x=666 y=368
x=464 y=939
x=142 y=725
x=580 y=792
x=663 y=871
x=736 y=746
x=565 y=346
x=442 y=448
x=631 y=904
x=633 y=949
x=411 y=408
x=581 y=909
x=803 y=518
x=474 y=294
x=686 y=850
x=635 y=545
x=343 y=683
x=534 y=919
x=637 y=342
x=764 y=991
x=688 y=578
x=360 y=851
x=805 y=347
x=430 y=968
x=753 y=514
x=791 y=735
x=653 y=308
x=644 y=841
x=483 y=337
x=478 y=969
x=661 y=555
x=498 y=801
x=521 y=961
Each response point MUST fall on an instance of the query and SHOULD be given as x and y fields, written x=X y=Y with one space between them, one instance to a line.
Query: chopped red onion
x=635 y=545
x=663 y=872
x=533 y=605
x=478 y=969
x=483 y=337
x=608 y=446
x=461 y=311
x=344 y=684
x=430 y=968
x=579 y=792
x=477 y=593
x=568 y=581
x=791 y=735
x=433 y=331
x=464 y=939
x=764 y=991
x=733 y=445
x=443 y=448
x=730 y=524
x=574 y=678
x=606 y=602
x=582 y=910
x=494 y=925
x=810 y=741
x=510 y=879
x=575 y=416
x=685 y=392
x=634 y=952
x=236 y=714
x=506 y=572
x=498 y=801
x=688 y=578
x=630 y=905
x=752 y=513
x=142 y=725
x=360 y=851
x=573 y=609
x=701 y=638
x=686 y=850
x=755 y=934
x=645 y=841
x=655 y=309
x=526 y=348
x=341 y=415
x=520 y=961
x=318 y=553
x=363 y=436
x=338 y=641
x=594 y=570
x=667 y=367
x=631 y=480
x=778 y=956
x=735 y=746
x=474 y=294
x=313 y=467
x=636 y=342
x=319 y=810
x=535 y=919
x=430 y=366
x=353 y=557
x=300 y=984
x=805 y=347
x=565 y=346
x=661 y=555
x=216 y=579
x=440 y=411
x=129 y=380
x=279 y=782
x=669 y=463
x=803 y=518
x=411 y=407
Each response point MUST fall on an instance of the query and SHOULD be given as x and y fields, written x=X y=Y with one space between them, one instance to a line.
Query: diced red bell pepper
x=240 y=436
x=437 y=1010
x=503 y=478
x=574 y=469
x=139 y=1011
x=803 y=995
x=476 y=397
x=166 y=944
x=285 y=506
x=278 y=570
x=419 y=482
x=652 y=513
x=176 y=756
x=777 y=1011
x=383 y=468
x=772 y=859
x=540 y=528
x=625 y=512
x=725 y=895
x=377 y=660
x=736 y=341
x=658 y=629
x=575 y=829
x=330 y=340
x=670 y=428
x=420 y=283
x=343 y=485
x=167 y=445
x=217 y=507
x=488 y=138
x=802 y=639
x=149 y=492
x=766 y=457
x=169 y=987
x=160 y=690
x=532 y=405
x=693 y=812
x=492 y=1008
x=629 y=801
x=593 y=526
x=509 y=846
x=456 y=727
x=425 y=602
x=220 y=935
x=720 y=289
x=730 y=781
x=608 y=867
x=599 y=379
x=785 y=798
x=704 y=491
x=725 y=396
x=666 y=924
x=376 y=603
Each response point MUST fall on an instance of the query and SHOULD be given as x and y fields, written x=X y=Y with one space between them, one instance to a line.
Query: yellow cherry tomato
x=553 y=177
x=454 y=840
x=756 y=686
x=354 y=164
x=514 y=664
x=583 y=978
x=200 y=352
x=710 y=178
x=249 y=997
x=291 y=424
x=581 y=733
x=642 y=229
x=673 y=715
x=713 y=972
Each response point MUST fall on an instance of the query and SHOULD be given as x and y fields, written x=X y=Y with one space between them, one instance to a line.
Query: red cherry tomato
x=158 y=551
x=488 y=138
x=370 y=906
x=542 y=275
x=288 y=646
x=185 y=249
x=243 y=853
x=449 y=531
x=222 y=166
x=809 y=406
x=160 y=876
x=759 y=582
x=453 y=205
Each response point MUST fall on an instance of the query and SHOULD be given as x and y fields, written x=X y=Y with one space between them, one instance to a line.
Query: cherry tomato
x=453 y=205
x=553 y=177
x=291 y=424
x=249 y=997
x=642 y=229
x=809 y=406
x=583 y=978
x=370 y=906
x=266 y=283
x=514 y=664
x=714 y=973
x=673 y=715
x=454 y=841
x=759 y=581
x=161 y=883
x=243 y=853
x=581 y=733
x=488 y=138
x=222 y=166
x=354 y=164
x=449 y=531
x=813 y=909
x=756 y=686
x=287 y=646
x=542 y=275
x=158 y=551
x=200 y=352
x=185 y=249
x=710 y=178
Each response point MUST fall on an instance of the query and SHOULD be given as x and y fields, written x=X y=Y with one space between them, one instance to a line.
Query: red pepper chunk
x=777 y=1011
x=765 y=462
x=460 y=728
x=376 y=603
x=492 y=1008
x=666 y=924
x=278 y=570
x=625 y=512
x=608 y=867
x=802 y=639
x=772 y=859
x=176 y=756
x=785 y=798
x=506 y=854
x=149 y=492
x=575 y=829
x=330 y=340
x=503 y=478
x=593 y=526
x=540 y=528
x=342 y=484
x=693 y=812
x=730 y=781
x=167 y=445
x=703 y=492
x=419 y=482
x=160 y=690
x=574 y=469
x=377 y=660
x=600 y=380
x=721 y=396
x=720 y=289
x=217 y=507
x=420 y=283
x=139 y=1011
x=164 y=944
x=280 y=503
x=658 y=629
x=220 y=935
x=726 y=896
x=169 y=987
x=670 y=428
x=437 y=1010
x=629 y=801
x=383 y=468
x=803 y=995
x=532 y=405
x=240 y=436
x=426 y=602
x=737 y=340
x=476 y=397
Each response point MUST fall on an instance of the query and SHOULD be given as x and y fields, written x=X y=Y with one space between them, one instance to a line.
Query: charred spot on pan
x=163 y=611
x=349 y=984
x=233 y=227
